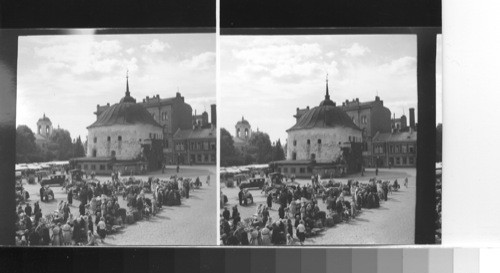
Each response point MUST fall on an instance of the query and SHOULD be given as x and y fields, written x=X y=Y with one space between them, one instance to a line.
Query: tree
x=439 y=143
x=260 y=147
x=61 y=145
x=278 y=152
x=26 y=149
x=227 y=150
x=78 y=150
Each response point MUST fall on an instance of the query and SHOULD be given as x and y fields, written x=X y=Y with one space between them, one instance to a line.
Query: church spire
x=127 y=97
x=327 y=100
x=127 y=93
x=327 y=96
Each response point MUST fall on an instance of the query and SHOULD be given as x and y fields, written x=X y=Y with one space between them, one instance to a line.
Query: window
x=391 y=149
x=294 y=156
x=302 y=170
x=95 y=139
x=92 y=167
x=309 y=170
x=212 y=146
x=319 y=141
x=85 y=167
x=212 y=158
x=110 y=167
x=198 y=157
x=102 y=167
x=205 y=146
x=396 y=149
x=113 y=153
x=292 y=170
x=206 y=158
x=398 y=161
x=308 y=141
x=404 y=160
x=403 y=149
x=94 y=153
x=349 y=138
x=412 y=160
x=295 y=143
x=109 y=138
x=119 y=138
x=313 y=156
x=364 y=120
x=411 y=148
x=285 y=170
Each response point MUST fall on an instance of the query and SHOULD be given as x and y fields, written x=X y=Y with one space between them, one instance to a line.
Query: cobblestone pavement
x=392 y=223
x=192 y=223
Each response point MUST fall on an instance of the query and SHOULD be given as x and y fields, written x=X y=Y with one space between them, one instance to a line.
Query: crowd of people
x=299 y=215
x=99 y=212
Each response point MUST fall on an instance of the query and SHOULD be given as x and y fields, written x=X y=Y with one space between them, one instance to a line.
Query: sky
x=67 y=76
x=265 y=78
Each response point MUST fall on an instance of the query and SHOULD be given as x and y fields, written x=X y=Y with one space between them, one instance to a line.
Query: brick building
x=195 y=146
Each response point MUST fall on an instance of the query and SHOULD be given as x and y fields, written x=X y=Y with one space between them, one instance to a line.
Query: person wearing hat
x=66 y=234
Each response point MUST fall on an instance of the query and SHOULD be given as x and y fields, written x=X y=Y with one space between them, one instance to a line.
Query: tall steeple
x=127 y=97
x=127 y=93
x=327 y=96
x=327 y=100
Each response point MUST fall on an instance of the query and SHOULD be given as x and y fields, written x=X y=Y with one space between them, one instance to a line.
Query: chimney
x=412 y=118
x=213 y=114
x=307 y=107
x=377 y=98
x=107 y=104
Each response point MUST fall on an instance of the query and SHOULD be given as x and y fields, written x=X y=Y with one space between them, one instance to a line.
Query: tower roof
x=45 y=119
x=327 y=100
x=127 y=97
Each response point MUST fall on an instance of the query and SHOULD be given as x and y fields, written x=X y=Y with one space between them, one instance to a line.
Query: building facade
x=396 y=149
x=170 y=113
x=196 y=146
x=125 y=137
x=323 y=141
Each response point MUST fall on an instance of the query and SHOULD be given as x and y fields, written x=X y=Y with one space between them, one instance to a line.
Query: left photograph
x=116 y=140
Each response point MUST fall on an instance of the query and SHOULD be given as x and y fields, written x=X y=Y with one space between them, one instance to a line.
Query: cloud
x=155 y=46
x=400 y=66
x=356 y=50
x=203 y=61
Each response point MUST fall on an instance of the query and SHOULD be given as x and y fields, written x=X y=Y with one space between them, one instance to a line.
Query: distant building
x=195 y=146
x=125 y=137
x=243 y=132
x=324 y=141
x=396 y=149
x=43 y=132
x=201 y=121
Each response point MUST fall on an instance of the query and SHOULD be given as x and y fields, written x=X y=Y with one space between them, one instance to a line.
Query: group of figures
x=299 y=215
x=99 y=211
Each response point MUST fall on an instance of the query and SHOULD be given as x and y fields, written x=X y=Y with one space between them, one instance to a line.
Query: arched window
x=238 y=132
x=95 y=139
x=294 y=156
x=313 y=156
x=319 y=141
x=308 y=142
x=119 y=138
x=94 y=153
x=246 y=132
x=109 y=138
x=113 y=153
x=47 y=130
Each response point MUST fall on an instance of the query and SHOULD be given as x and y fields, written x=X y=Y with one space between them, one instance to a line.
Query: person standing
x=82 y=208
x=28 y=210
x=240 y=196
x=270 y=200
x=281 y=211
x=101 y=229
x=70 y=197
x=301 y=232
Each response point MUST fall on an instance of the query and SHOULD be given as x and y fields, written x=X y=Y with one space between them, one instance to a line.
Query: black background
x=237 y=16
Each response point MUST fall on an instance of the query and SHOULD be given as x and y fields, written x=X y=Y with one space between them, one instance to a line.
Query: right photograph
x=318 y=140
